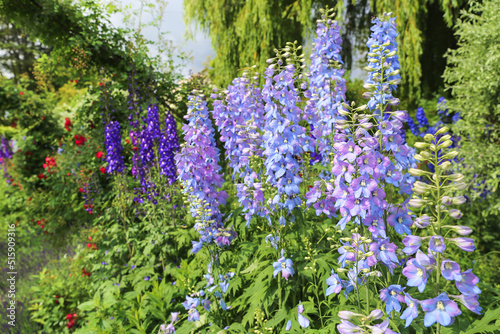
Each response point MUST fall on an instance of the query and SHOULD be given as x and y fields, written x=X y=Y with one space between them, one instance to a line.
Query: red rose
x=80 y=140
x=67 y=124
x=103 y=170
x=80 y=190
x=99 y=155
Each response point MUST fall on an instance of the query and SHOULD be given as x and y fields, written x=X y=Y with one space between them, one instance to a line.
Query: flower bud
x=416 y=172
x=376 y=314
x=343 y=112
x=455 y=213
x=462 y=230
x=428 y=138
x=444 y=129
x=446 y=200
x=421 y=145
x=420 y=187
x=450 y=155
x=419 y=158
x=426 y=155
x=445 y=165
x=460 y=185
x=375 y=273
x=416 y=202
x=445 y=138
x=423 y=221
x=466 y=244
x=457 y=177
x=459 y=200
x=347 y=315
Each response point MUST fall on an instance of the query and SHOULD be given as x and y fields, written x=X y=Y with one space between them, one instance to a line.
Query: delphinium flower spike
x=239 y=123
x=199 y=174
x=433 y=199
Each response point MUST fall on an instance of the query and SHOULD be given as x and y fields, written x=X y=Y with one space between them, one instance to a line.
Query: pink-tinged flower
x=174 y=316
x=422 y=222
x=401 y=222
x=468 y=284
x=455 y=213
x=465 y=244
x=450 y=270
x=347 y=327
x=417 y=275
x=193 y=315
x=462 y=230
x=411 y=312
x=437 y=244
x=303 y=321
x=383 y=327
x=285 y=266
x=440 y=309
x=392 y=297
x=470 y=301
x=288 y=325
x=334 y=284
x=412 y=243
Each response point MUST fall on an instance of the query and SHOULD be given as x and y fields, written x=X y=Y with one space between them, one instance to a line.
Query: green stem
x=367 y=300
x=279 y=290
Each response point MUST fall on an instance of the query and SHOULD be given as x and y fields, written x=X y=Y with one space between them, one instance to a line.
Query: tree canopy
x=247 y=32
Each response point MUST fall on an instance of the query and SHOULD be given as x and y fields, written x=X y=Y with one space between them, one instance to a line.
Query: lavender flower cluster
x=199 y=174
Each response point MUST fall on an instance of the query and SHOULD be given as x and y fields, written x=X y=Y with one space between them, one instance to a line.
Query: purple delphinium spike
x=327 y=86
x=239 y=123
x=283 y=137
x=113 y=147
x=199 y=173
x=169 y=145
x=7 y=150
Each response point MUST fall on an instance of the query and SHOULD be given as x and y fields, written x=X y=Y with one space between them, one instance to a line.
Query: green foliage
x=472 y=76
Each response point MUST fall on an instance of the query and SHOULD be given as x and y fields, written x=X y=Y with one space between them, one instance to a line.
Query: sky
x=173 y=23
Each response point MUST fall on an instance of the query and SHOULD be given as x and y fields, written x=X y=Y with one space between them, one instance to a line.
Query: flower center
x=420 y=272
x=448 y=266
x=363 y=183
x=440 y=305
x=283 y=265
